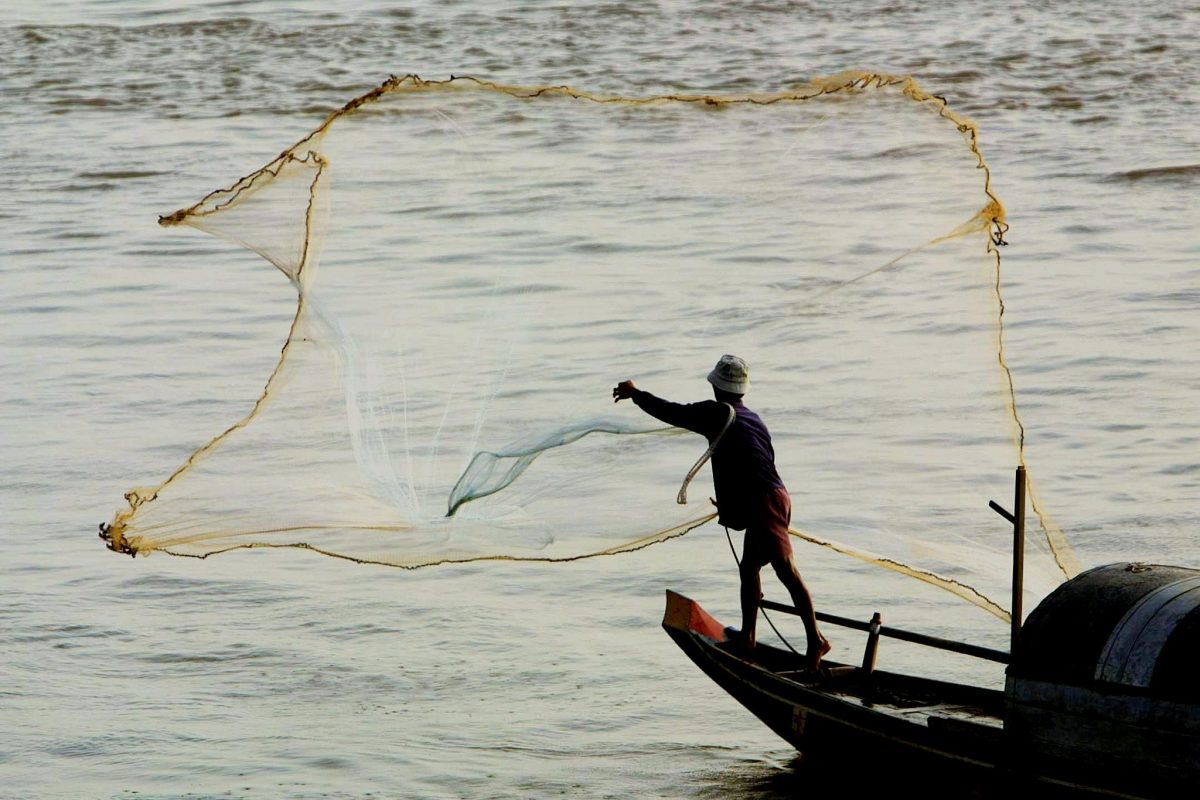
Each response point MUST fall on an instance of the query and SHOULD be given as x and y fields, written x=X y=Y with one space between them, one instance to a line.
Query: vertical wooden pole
x=1018 y=579
x=872 y=644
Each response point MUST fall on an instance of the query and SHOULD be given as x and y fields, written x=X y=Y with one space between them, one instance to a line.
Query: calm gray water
x=288 y=675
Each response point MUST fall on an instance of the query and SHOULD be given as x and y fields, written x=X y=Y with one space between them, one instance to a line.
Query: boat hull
x=890 y=716
x=846 y=715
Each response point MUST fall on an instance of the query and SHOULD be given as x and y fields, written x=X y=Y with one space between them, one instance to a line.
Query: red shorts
x=767 y=537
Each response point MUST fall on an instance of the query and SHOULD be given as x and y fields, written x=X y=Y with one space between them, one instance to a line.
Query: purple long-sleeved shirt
x=743 y=464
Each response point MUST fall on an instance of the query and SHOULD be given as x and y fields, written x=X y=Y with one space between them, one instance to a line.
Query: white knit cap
x=730 y=375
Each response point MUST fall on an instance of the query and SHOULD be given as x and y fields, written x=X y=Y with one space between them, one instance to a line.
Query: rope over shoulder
x=681 y=498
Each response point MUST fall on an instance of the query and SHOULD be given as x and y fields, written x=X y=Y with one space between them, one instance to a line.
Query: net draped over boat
x=476 y=265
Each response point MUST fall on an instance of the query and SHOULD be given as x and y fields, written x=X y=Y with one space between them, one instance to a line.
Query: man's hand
x=623 y=391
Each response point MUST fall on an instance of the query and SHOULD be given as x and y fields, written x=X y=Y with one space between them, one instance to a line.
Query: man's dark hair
x=724 y=396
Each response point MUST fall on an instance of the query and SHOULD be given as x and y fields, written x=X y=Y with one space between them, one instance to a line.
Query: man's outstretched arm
x=699 y=418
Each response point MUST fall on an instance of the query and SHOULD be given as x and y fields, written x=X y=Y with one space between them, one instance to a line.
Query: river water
x=287 y=675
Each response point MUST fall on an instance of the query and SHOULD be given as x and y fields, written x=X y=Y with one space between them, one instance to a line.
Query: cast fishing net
x=476 y=265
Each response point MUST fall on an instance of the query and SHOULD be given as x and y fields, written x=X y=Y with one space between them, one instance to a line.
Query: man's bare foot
x=738 y=640
x=815 y=654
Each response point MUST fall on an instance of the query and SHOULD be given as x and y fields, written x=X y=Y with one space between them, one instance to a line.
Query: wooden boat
x=1101 y=696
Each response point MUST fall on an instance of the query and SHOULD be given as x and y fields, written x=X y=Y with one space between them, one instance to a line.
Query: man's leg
x=818 y=645
x=751 y=593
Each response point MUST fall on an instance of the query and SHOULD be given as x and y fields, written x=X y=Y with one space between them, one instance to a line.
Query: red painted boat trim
x=684 y=614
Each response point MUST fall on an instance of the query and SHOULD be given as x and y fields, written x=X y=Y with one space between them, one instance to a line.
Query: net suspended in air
x=475 y=265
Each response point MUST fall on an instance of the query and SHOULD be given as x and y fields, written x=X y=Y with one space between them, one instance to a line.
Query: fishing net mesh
x=476 y=265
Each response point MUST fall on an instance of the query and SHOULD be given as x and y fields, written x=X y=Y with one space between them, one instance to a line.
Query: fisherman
x=750 y=494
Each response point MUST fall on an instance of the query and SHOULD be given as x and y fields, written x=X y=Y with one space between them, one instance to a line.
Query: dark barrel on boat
x=1104 y=679
x=1122 y=626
